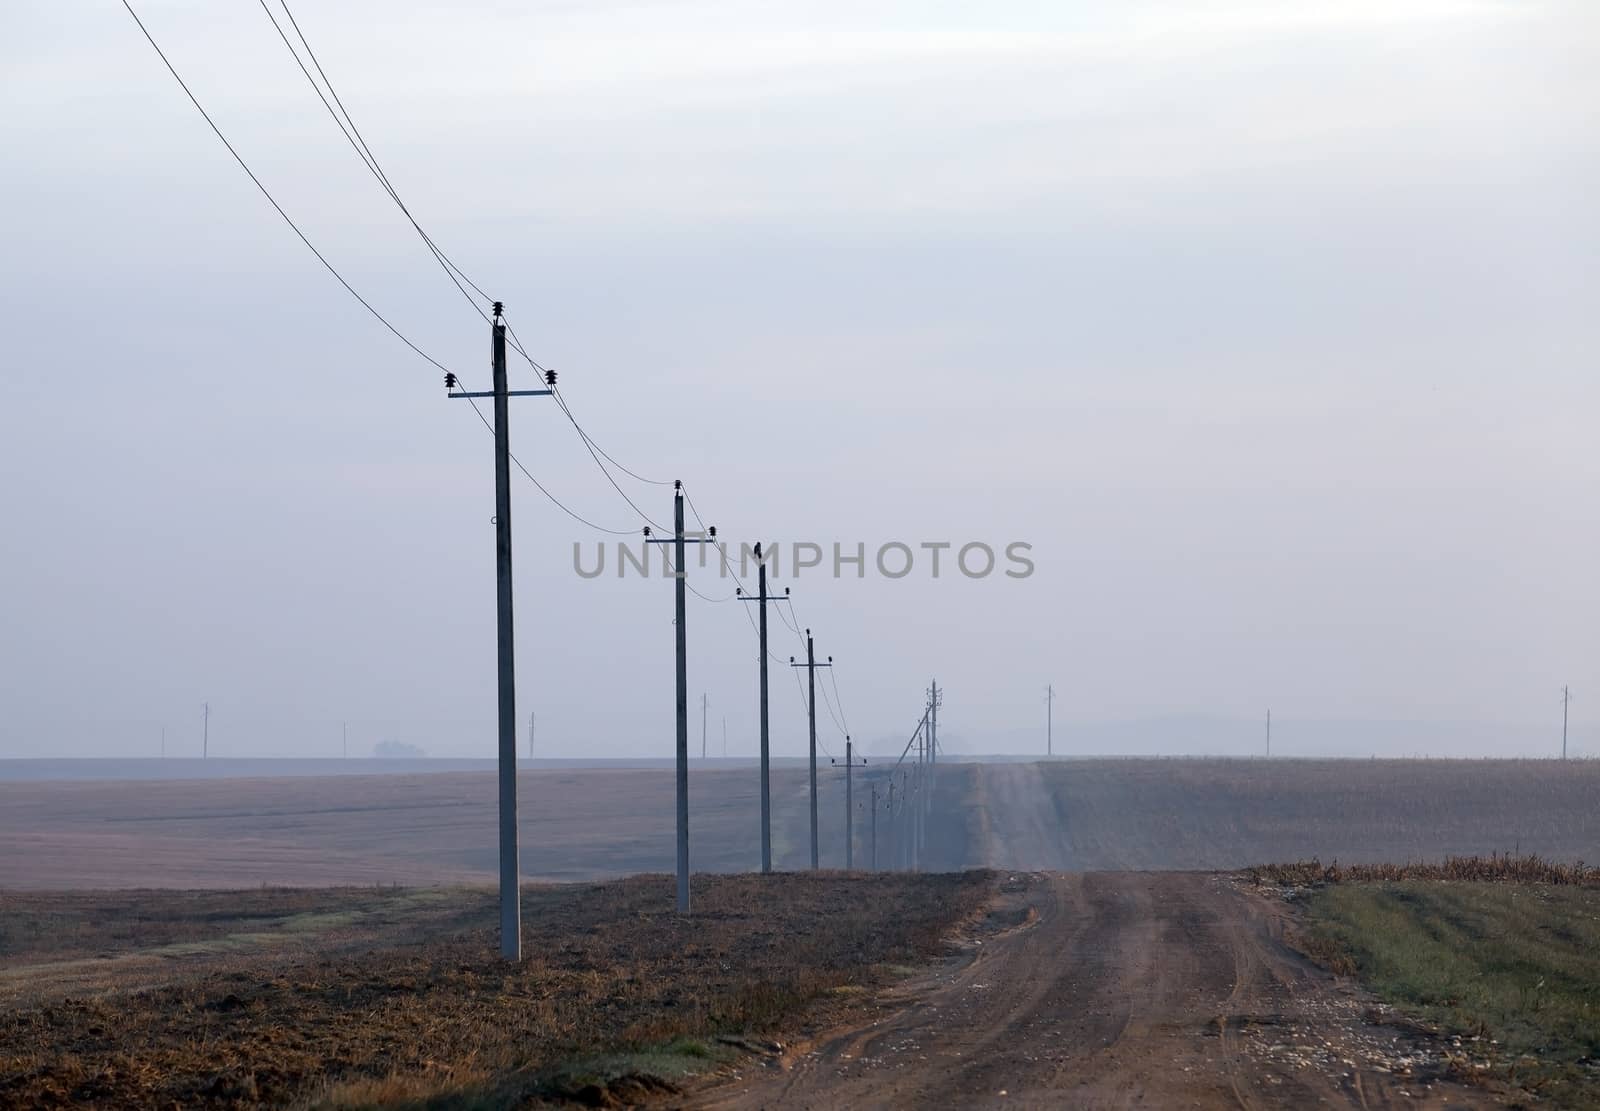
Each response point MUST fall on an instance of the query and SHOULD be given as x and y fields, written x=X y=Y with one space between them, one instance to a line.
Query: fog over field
x=581 y=824
x=1268 y=328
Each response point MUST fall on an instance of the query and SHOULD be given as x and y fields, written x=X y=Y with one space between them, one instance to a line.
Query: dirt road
x=1162 y=990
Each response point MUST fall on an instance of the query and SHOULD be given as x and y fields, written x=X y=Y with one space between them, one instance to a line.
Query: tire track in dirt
x=1114 y=990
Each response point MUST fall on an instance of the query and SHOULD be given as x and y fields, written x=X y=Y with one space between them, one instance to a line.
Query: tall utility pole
x=1566 y=698
x=849 y=805
x=766 y=769
x=705 y=703
x=510 y=890
x=1049 y=720
x=934 y=700
x=205 y=730
x=510 y=887
x=680 y=581
x=811 y=666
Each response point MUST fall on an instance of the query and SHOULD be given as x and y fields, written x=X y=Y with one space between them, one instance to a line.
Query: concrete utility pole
x=811 y=666
x=894 y=830
x=872 y=859
x=761 y=599
x=510 y=875
x=1049 y=720
x=205 y=730
x=680 y=577
x=505 y=641
x=849 y=806
x=934 y=700
x=1566 y=699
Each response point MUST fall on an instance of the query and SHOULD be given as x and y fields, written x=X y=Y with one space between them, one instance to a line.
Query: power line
x=833 y=673
x=358 y=143
x=540 y=486
x=243 y=165
x=806 y=703
x=667 y=559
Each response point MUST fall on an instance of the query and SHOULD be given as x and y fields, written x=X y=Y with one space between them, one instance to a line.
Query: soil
x=1118 y=990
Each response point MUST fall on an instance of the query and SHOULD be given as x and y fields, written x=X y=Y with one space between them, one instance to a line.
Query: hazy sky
x=1271 y=326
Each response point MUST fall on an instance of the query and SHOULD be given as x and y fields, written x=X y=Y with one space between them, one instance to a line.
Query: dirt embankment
x=1118 y=990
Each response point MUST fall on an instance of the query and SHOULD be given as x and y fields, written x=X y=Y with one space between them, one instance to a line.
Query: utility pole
x=205 y=730
x=935 y=699
x=766 y=769
x=1049 y=720
x=680 y=580
x=811 y=666
x=1566 y=698
x=510 y=875
x=849 y=806
x=873 y=859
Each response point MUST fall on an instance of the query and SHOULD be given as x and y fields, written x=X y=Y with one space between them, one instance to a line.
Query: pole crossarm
x=509 y=393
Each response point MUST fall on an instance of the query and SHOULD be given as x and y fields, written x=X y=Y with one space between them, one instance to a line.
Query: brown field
x=344 y=997
x=1070 y=815
x=381 y=829
x=1228 y=814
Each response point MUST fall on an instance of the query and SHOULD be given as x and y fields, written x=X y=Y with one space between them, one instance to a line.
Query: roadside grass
x=618 y=999
x=1511 y=969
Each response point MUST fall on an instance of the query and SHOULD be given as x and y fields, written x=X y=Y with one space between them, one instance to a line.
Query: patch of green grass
x=1519 y=964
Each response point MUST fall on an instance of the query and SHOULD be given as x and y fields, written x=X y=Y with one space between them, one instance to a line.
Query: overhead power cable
x=358 y=143
x=243 y=165
x=265 y=192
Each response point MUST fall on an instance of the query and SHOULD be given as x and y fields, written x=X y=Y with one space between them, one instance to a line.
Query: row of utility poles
x=510 y=894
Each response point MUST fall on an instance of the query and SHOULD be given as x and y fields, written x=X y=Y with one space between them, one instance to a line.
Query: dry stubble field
x=581 y=824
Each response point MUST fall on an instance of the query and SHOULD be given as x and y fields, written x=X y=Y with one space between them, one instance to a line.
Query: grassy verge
x=1511 y=970
x=618 y=997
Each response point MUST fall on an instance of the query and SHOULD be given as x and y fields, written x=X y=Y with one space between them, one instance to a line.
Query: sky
x=1269 y=328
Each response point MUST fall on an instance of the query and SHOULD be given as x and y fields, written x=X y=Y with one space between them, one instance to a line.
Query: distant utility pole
x=1566 y=699
x=811 y=666
x=766 y=779
x=1049 y=720
x=849 y=806
x=205 y=730
x=894 y=831
x=705 y=702
x=872 y=859
x=680 y=580
x=510 y=888
x=935 y=700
